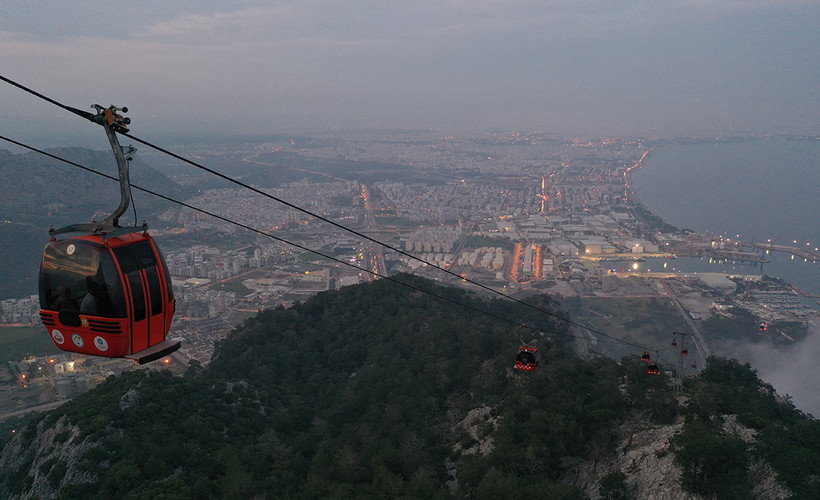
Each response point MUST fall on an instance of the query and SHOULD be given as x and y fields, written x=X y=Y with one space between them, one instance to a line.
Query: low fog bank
x=792 y=371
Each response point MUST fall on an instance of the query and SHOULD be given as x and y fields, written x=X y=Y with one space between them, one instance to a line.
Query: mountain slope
x=52 y=186
x=37 y=192
x=378 y=390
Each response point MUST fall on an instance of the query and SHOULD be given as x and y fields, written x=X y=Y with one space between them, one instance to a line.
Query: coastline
x=789 y=266
x=641 y=209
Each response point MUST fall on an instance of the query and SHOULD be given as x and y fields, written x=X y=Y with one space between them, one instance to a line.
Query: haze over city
x=647 y=68
x=410 y=249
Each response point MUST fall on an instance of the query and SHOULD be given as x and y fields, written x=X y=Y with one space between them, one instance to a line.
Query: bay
x=760 y=191
x=756 y=191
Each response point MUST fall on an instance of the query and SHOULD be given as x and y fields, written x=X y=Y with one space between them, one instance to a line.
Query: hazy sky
x=645 y=67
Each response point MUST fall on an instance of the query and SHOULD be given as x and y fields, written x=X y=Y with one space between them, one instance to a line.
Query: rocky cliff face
x=646 y=458
x=38 y=463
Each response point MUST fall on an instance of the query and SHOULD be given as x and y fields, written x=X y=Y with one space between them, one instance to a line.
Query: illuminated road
x=700 y=344
x=373 y=252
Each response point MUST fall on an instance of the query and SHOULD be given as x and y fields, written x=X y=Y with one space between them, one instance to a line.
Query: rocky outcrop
x=645 y=457
x=38 y=464
x=480 y=424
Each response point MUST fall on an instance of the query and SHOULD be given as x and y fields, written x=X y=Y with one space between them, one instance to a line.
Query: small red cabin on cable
x=684 y=352
x=645 y=357
x=108 y=292
x=107 y=297
x=527 y=359
x=652 y=369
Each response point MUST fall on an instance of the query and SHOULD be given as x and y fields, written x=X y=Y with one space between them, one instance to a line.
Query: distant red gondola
x=684 y=352
x=527 y=359
x=646 y=357
x=652 y=369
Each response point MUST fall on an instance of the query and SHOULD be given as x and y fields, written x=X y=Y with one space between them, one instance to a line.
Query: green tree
x=613 y=486
x=712 y=462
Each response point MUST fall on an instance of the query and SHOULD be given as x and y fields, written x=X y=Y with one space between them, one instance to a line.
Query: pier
x=805 y=253
x=736 y=255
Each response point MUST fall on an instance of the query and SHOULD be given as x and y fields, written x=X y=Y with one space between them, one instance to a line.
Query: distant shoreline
x=635 y=202
x=664 y=184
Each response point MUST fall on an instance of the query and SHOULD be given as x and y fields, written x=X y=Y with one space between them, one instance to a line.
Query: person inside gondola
x=89 y=303
x=64 y=302
x=97 y=301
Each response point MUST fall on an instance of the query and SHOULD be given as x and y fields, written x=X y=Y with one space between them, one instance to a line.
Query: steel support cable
x=296 y=245
x=373 y=240
x=45 y=98
x=324 y=219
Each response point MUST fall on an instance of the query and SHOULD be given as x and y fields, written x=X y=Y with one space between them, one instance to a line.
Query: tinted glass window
x=132 y=259
x=137 y=295
x=78 y=275
x=167 y=275
x=127 y=259
x=154 y=290
x=145 y=254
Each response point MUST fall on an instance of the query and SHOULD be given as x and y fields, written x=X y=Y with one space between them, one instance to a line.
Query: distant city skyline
x=661 y=69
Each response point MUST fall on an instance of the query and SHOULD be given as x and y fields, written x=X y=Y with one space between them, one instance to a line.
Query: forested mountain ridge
x=379 y=390
x=37 y=192
x=52 y=186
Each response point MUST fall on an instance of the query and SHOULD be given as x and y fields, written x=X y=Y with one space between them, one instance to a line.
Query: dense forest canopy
x=379 y=390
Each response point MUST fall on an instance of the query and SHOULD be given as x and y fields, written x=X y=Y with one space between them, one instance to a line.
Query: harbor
x=805 y=253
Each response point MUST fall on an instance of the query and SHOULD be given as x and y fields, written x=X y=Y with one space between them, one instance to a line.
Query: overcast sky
x=576 y=68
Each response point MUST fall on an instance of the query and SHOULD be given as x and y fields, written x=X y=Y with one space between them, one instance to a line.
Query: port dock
x=805 y=253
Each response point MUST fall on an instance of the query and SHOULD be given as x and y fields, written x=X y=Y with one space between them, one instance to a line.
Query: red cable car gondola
x=652 y=369
x=684 y=352
x=645 y=357
x=108 y=292
x=527 y=359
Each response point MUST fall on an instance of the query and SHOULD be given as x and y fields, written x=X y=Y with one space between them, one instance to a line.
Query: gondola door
x=148 y=297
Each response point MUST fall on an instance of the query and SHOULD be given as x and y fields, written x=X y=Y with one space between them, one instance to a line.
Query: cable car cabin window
x=154 y=290
x=137 y=295
x=525 y=357
x=148 y=262
x=167 y=275
x=81 y=276
x=132 y=259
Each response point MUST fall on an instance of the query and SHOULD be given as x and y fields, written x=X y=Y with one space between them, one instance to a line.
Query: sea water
x=758 y=191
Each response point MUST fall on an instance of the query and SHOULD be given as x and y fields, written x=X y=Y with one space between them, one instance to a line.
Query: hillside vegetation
x=37 y=192
x=379 y=390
